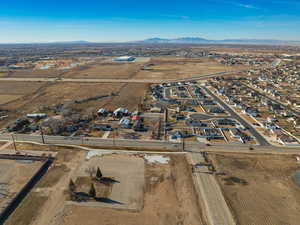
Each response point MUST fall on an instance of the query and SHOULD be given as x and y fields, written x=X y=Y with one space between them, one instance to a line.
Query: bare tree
x=91 y=171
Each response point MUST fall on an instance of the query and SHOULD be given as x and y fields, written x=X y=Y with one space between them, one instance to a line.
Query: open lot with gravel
x=128 y=175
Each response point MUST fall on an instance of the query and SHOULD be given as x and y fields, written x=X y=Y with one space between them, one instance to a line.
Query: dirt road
x=216 y=209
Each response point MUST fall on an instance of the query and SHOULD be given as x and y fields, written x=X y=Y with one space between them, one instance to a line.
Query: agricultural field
x=260 y=189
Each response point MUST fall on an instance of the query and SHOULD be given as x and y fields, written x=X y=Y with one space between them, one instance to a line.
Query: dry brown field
x=30 y=73
x=18 y=88
x=13 y=177
x=259 y=188
x=174 y=68
x=8 y=98
x=35 y=96
x=106 y=70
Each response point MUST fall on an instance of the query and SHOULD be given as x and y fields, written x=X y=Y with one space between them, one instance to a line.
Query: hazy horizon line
x=136 y=41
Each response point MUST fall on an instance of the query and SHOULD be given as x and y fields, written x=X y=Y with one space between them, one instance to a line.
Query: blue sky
x=105 y=21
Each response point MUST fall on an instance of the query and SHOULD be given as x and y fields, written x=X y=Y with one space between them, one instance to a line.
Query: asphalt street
x=261 y=140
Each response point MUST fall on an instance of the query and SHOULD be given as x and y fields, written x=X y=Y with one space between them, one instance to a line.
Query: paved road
x=109 y=142
x=201 y=116
x=147 y=144
x=216 y=209
x=261 y=140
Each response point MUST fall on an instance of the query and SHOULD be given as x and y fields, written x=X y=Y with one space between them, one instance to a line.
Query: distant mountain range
x=71 y=42
x=199 y=40
x=183 y=40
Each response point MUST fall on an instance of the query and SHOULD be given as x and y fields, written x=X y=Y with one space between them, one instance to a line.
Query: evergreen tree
x=72 y=187
x=99 y=174
x=92 y=192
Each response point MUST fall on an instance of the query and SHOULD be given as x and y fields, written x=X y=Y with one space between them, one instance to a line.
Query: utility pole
x=42 y=133
x=166 y=121
x=115 y=133
x=14 y=143
x=114 y=138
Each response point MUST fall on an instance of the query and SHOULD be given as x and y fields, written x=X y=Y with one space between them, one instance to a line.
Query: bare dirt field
x=8 y=98
x=18 y=88
x=108 y=70
x=13 y=176
x=260 y=189
x=169 y=198
x=28 y=73
x=157 y=68
x=127 y=95
x=49 y=191
x=174 y=68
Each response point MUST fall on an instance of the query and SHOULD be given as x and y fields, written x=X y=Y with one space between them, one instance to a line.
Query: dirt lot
x=17 y=173
x=48 y=195
x=169 y=198
x=127 y=190
x=259 y=189
x=13 y=176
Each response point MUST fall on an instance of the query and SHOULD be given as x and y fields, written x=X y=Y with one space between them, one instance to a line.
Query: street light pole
x=43 y=139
